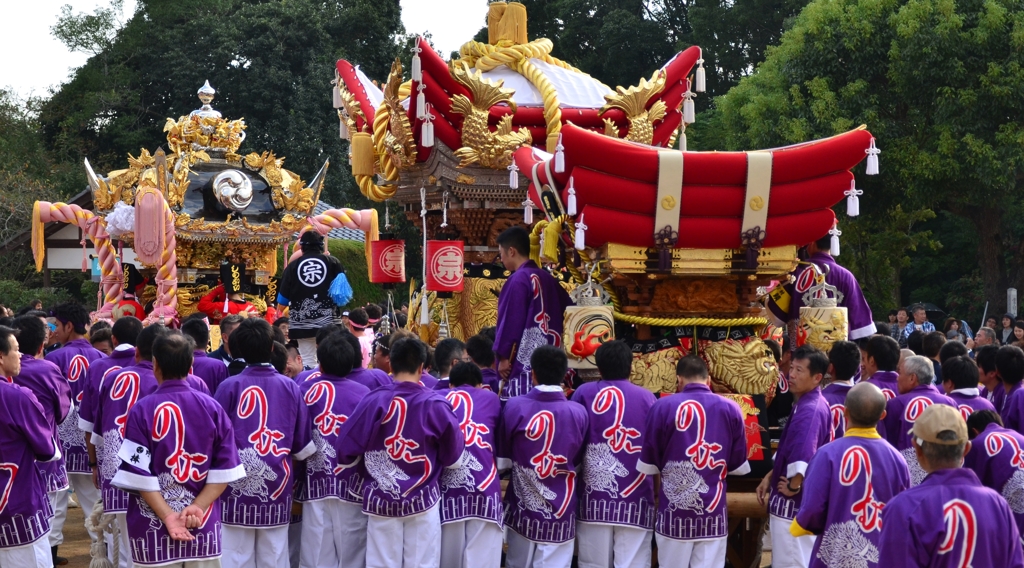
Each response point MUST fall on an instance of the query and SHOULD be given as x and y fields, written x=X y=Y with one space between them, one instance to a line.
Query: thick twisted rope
x=689 y=322
x=99 y=522
x=46 y=212
x=365 y=221
x=387 y=166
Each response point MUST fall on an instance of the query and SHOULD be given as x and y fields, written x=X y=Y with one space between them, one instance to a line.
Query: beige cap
x=939 y=418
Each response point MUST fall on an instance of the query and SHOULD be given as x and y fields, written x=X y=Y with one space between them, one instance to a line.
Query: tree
x=938 y=83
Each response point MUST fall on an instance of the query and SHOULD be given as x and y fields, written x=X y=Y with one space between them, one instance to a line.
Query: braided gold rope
x=689 y=322
x=386 y=165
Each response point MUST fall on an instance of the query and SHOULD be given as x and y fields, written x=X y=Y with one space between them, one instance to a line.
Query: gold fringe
x=38 y=237
x=362 y=154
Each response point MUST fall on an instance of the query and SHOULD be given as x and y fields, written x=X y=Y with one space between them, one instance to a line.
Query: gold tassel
x=363 y=157
x=372 y=235
x=494 y=13
x=38 y=238
x=552 y=234
x=512 y=26
x=535 y=241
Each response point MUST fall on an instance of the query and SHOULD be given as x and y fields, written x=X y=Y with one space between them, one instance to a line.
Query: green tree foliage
x=939 y=84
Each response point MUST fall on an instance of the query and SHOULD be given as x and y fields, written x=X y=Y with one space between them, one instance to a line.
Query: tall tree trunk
x=991 y=255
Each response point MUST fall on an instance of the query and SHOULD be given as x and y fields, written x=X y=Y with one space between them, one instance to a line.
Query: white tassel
x=559 y=156
x=701 y=82
x=424 y=308
x=872 y=153
x=225 y=302
x=343 y=130
x=528 y=211
x=337 y=94
x=417 y=70
x=571 y=206
x=581 y=234
x=834 y=243
x=682 y=141
x=421 y=102
x=513 y=175
x=689 y=111
x=427 y=140
x=852 y=201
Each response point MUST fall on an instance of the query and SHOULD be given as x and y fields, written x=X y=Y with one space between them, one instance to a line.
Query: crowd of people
x=320 y=444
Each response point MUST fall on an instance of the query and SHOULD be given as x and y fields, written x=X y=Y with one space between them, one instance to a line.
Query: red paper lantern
x=388 y=262
x=444 y=266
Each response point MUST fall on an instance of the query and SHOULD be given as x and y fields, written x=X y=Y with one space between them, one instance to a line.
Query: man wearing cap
x=305 y=287
x=848 y=484
x=226 y=298
x=996 y=458
x=950 y=519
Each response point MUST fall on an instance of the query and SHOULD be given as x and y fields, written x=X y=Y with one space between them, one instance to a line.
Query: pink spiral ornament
x=166 y=303
x=93 y=226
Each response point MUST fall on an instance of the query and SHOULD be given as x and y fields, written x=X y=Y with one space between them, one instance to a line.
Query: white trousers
x=608 y=546
x=691 y=553
x=789 y=551
x=294 y=543
x=404 y=542
x=262 y=548
x=59 y=502
x=87 y=495
x=35 y=554
x=472 y=543
x=307 y=349
x=333 y=535
x=124 y=550
x=525 y=553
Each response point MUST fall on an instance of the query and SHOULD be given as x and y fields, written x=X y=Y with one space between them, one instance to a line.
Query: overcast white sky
x=33 y=60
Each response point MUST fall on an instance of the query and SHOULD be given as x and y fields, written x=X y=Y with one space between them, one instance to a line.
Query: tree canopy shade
x=939 y=83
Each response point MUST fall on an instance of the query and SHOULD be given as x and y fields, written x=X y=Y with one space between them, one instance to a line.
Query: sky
x=34 y=60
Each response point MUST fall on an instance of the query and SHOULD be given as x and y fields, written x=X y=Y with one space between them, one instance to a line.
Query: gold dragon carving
x=398 y=140
x=744 y=367
x=480 y=145
x=633 y=101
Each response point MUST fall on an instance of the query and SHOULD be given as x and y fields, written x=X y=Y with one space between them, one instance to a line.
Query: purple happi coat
x=52 y=392
x=949 y=521
x=997 y=457
x=73 y=360
x=1013 y=409
x=176 y=441
x=694 y=439
x=785 y=301
x=848 y=484
x=26 y=437
x=969 y=401
x=330 y=400
x=492 y=380
x=470 y=489
x=835 y=395
x=887 y=381
x=530 y=314
x=428 y=380
x=211 y=371
x=405 y=434
x=614 y=491
x=900 y=415
x=123 y=356
x=542 y=438
x=309 y=375
x=272 y=427
x=997 y=396
x=809 y=428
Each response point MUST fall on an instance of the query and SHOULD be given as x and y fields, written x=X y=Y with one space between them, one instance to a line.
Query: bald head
x=865 y=405
x=904 y=353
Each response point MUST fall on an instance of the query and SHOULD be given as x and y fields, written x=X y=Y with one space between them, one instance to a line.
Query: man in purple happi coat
x=52 y=392
x=481 y=350
x=988 y=376
x=177 y=457
x=124 y=335
x=615 y=517
x=809 y=428
x=541 y=437
x=211 y=371
x=73 y=360
x=848 y=484
x=403 y=435
x=369 y=378
x=333 y=533
x=693 y=440
x=530 y=312
x=471 y=508
x=880 y=359
x=844 y=360
x=785 y=300
x=447 y=353
x=272 y=428
x=916 y=394
x=1010 y=364
x=960 y=381
x=997 y=457
x=950 y=520
x=26 y=439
